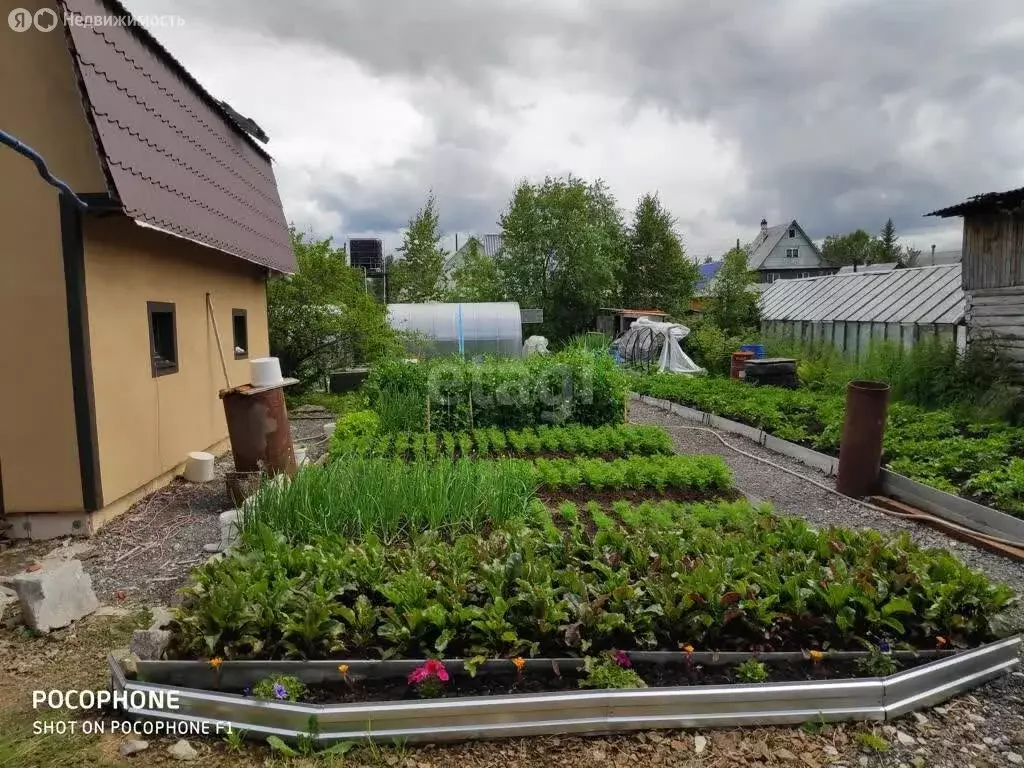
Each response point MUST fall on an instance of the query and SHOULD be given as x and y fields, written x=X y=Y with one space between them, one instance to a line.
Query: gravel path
x=145 y=555
x=983 y=729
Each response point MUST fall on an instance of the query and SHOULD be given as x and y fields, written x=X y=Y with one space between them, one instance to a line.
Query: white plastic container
x=300 y=456
x=329 y=428
x=199 y=467
x=265 y=372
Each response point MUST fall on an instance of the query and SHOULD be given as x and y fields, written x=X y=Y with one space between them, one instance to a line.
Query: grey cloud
x=831 y=104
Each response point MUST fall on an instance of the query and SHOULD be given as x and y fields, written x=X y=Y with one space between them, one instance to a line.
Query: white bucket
x=300 y=456
x=329 y=429
x=199 y=467
x=265 y=371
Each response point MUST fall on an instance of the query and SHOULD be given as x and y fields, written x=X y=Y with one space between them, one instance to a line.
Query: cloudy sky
x=839 y=113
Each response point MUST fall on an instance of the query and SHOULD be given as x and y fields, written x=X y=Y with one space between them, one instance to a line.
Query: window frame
x=792 y=231
x=172 y=366
x=244 y=314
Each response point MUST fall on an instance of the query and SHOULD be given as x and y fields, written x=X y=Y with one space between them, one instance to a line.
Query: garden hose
x=975 y=536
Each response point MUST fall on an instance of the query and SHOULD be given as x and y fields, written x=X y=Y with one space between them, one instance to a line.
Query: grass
x=391 y=499
x=339 y=405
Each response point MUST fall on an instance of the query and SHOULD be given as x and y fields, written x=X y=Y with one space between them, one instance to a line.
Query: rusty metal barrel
x=739 y=359
x=261 y=437
x=860 y=453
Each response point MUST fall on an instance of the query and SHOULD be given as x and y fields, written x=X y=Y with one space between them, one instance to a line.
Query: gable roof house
x=488 y=245
x=784 y=252
x=111 y=360
x=993 y=271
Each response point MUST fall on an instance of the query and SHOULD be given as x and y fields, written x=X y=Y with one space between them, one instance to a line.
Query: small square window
x=240 y=333
x=163 y=338
x=792 y=231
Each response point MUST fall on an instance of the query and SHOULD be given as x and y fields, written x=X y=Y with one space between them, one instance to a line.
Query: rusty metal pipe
x=261 y=438
x=860 y=453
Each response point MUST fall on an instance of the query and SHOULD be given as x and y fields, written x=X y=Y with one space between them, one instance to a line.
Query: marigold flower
x=520 y=662
x=687 y=648
x=816 y=655
x=216 y=661
x=941 y=641
x=343 y=668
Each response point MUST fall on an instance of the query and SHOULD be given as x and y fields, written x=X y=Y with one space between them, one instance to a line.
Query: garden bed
x=978 y=461
x=573 y=711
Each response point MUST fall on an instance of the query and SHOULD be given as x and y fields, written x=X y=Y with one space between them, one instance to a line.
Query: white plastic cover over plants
x=646 y=338
x=535 y=345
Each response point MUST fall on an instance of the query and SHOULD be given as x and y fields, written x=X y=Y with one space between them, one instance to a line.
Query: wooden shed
x=993 y=270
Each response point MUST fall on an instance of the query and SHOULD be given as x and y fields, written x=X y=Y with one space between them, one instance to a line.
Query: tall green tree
x=418 y=275
x=476 y=278
x=656 y=273
x=733 y=305
x=887 y=247
x=562 y=251
x=321 y=318
x=857 y=248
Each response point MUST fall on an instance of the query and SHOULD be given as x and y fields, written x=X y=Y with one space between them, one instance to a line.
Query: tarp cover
x=535 y=345
x=643 y=340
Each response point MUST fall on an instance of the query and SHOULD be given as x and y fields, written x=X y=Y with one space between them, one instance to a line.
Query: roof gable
x=176 y=158
x=765 y=243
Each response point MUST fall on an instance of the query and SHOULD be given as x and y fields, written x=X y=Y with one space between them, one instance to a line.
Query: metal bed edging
x=592 y=711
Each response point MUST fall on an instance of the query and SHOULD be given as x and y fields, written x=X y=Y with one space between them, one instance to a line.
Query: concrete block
x=161 y=617
x=9 y=610
x=150 y=644
x=57 y=594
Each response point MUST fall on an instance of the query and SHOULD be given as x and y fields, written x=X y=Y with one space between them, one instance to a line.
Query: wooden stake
x=220 y=345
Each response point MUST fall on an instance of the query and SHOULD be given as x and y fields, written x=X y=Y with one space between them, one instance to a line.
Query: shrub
x=570 y=387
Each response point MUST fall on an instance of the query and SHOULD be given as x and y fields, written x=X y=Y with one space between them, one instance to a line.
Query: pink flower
x=432 y=668
x=622 y=659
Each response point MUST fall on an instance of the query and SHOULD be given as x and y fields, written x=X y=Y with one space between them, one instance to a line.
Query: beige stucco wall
x=40 y=105
x=147 y=425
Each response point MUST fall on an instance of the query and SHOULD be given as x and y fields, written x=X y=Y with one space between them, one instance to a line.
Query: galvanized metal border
x=590 y=711
x=956 y=509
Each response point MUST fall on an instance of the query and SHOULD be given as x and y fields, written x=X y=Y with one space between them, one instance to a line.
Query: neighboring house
x=852 y=310
x=993 y=270
x=111 y=364
x=784 y=252
x=702 y=289
x=489 y=245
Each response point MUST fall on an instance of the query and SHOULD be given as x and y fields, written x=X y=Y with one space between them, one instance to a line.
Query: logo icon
x=20 y=20
x=45 y=19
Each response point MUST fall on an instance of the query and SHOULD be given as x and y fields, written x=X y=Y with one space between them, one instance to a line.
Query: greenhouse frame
x=485 y=328
x=853 y=310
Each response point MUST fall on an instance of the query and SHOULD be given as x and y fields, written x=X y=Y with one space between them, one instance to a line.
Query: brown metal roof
x=176 y=158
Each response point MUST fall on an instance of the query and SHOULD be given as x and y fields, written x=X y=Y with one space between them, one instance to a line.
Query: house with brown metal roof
x=115 y=290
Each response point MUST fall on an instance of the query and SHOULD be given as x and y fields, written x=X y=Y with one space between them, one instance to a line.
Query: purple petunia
x=280 y=692
x=883 y=646
x=247 y=691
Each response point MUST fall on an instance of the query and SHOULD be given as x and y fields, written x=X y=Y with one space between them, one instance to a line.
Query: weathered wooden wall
x=993 y=270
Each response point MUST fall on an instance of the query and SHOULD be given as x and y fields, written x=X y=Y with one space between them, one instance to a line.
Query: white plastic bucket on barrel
x=265 y=372
x=199 y=467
